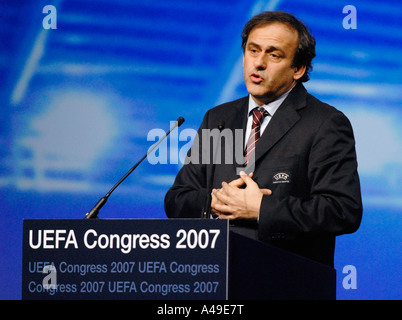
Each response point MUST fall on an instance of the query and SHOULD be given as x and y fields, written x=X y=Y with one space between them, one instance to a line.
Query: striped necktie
x=258 y=117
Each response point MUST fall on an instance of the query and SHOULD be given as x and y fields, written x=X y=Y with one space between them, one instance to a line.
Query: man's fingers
x=246 y=178
x=239 y=181
x=226 y=216
x=221 y=208
x=222 y=194
x=266 y=192
x=219 y=203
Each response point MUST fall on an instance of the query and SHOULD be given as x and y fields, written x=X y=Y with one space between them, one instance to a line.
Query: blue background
x=77 y=103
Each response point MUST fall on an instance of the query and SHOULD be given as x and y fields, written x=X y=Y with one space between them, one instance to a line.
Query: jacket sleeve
x=188 y=195
x=334 y=203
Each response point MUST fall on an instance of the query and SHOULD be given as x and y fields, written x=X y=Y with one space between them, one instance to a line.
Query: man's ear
x=299 y=72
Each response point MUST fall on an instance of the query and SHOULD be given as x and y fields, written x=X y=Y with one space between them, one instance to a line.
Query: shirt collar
x=270 y=107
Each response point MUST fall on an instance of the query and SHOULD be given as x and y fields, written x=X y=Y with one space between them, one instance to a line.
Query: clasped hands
x=232 y=202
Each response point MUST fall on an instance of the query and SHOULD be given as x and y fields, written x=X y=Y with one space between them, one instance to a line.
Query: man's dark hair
x=306 y=49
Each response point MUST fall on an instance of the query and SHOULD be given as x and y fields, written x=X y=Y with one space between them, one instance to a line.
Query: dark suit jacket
x=306 y=156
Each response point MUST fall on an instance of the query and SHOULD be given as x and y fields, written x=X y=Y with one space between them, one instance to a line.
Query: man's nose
x=260 y=62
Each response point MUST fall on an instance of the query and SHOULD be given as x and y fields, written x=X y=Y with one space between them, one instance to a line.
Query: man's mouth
x=256 y=78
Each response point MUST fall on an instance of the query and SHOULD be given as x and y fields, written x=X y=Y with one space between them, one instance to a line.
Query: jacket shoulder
x=319 y=106
x=321 y=109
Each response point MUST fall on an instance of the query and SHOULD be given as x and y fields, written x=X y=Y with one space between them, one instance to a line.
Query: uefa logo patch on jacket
x=281 y=177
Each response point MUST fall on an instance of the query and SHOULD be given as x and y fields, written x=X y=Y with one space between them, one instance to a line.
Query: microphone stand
x=93 y=214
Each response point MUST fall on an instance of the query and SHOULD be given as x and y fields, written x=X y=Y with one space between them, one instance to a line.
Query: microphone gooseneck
x=93 y=214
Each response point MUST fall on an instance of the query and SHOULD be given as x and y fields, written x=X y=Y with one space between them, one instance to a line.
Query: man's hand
x=231 y=202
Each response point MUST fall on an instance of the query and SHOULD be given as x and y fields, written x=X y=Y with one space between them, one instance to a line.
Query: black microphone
x=206 y=212
x=221 y=125
x=95 y=210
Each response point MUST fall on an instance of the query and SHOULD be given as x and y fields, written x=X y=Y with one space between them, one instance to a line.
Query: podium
x=162 y=259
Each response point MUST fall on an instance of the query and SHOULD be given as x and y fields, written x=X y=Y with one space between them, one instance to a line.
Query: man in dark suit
x=301 y=188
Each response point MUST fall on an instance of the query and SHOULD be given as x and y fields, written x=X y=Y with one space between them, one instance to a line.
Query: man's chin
x=262 y=98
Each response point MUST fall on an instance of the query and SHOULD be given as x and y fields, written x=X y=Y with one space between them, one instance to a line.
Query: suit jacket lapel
x=238 y=118
x=284 y=118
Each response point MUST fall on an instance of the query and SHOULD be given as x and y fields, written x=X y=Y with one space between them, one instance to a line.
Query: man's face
x=267 y=61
